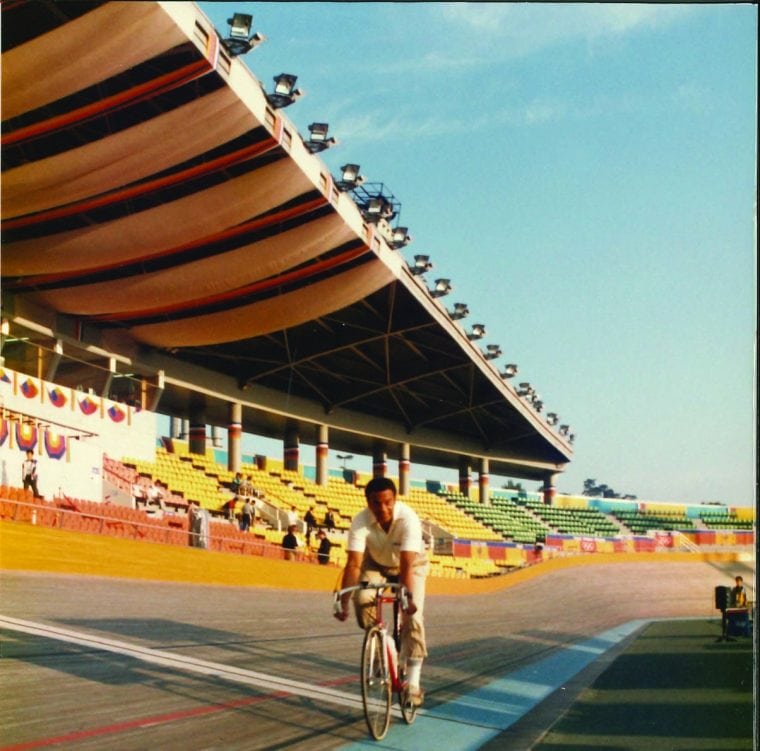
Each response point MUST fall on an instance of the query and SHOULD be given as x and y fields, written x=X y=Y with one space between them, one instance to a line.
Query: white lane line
x=264 y=681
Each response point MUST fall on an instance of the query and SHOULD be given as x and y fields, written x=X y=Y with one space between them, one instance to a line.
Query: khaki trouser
x=412 y=627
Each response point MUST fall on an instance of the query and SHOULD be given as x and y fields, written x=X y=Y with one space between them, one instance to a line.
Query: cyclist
x=385 y=544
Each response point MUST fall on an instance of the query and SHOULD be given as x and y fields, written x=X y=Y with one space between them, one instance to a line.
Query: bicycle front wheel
x=376 y=684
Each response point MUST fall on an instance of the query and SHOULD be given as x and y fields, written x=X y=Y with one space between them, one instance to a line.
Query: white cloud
x=529 y=27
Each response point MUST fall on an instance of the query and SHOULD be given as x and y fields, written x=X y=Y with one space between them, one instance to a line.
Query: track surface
x=67 y=695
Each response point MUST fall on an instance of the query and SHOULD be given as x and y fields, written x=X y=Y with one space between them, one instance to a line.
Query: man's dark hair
x=378 y=484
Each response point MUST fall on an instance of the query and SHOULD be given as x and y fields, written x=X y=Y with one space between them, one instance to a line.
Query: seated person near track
x=737 y=597
x=385 y=544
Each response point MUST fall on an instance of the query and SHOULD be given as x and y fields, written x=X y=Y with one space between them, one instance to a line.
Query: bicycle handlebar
x=402 y=593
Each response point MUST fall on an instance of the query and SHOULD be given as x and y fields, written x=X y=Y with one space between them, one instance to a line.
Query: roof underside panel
x=141 y=195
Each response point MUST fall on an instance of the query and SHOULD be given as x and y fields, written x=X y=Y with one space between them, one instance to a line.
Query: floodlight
x=564 y=429
x=350 y=177
x=478 y=331
x=240 y=39
x=400 y=237
x=552 y=418
x=421 y=265
x=492 y=351
x=285 y=91
x=510 y=371
x=442 y=287
x=460 y=311
x=318 y=140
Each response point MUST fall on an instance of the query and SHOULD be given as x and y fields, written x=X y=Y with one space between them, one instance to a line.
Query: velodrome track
x=93 y=661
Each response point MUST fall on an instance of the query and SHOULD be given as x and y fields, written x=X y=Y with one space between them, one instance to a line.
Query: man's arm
x=408 y=559
x=351 y=574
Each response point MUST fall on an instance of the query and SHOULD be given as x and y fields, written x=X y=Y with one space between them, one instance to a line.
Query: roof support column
x=291 y=447
x=175 y=427
x=404 y=465
x=549 y=490
x=483 y=481
x=379 y=460
x=464 y=476
x=197 y=435
x=234 y=434
x=323 y=447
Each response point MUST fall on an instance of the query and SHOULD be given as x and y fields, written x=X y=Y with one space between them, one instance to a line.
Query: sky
x=585 y=174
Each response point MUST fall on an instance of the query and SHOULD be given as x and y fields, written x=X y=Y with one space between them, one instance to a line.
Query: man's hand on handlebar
x=341 y=610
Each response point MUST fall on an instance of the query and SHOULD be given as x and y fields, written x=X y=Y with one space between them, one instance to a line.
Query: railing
x=169 y=531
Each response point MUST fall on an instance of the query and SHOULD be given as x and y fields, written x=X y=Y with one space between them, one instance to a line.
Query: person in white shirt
x=385 y=543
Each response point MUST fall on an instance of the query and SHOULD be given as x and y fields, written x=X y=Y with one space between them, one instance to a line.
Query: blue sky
x=585 y=176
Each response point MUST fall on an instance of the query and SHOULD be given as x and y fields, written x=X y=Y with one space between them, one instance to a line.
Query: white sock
x=413 y=671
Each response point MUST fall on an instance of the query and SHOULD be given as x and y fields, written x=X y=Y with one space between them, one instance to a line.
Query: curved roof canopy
x=152 y=197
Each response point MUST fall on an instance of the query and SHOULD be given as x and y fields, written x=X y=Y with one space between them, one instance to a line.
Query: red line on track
x=161 y=719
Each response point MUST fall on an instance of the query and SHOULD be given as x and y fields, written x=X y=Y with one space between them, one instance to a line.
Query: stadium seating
x=641 y=522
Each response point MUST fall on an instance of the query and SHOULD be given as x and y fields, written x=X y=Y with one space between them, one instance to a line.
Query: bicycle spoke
x=376 y=684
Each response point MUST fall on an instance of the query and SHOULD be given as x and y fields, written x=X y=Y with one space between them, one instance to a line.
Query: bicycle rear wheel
x=376 y=684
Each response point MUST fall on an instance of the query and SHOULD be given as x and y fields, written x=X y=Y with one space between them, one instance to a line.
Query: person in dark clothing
x=323 y=552
x=329 y=521
x=311 y=524
x=290 y=543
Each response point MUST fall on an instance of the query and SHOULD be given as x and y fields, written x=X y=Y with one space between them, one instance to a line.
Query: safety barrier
x=169 y=530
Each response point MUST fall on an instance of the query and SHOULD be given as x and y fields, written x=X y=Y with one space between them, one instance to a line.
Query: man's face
x=381 y=504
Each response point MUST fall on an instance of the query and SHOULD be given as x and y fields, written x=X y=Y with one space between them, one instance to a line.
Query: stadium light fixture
x=285 y=91
x=350 y=177
x=564 y=430
x=538 y=405
x=571 y=438
x=345 y=458
x=377 y=208
x=510 y=371
x=478 y=331
x=460 y=311
x=442 y=287
x=240 y=39
x=400 y=237
x=525 y=389
x=422 y=265
x=492 y=351
x=552 y=418
x=318 y=140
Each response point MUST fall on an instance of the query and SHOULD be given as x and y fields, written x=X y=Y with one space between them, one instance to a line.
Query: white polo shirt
x=384 y=547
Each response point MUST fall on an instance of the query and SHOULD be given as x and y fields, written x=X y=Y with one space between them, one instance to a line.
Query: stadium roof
x=156 y=207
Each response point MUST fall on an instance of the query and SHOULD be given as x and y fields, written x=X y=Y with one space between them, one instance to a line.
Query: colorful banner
x=88 y=405
x=29 y=388
x=4 y=431
x=116 y=413
x=4 y=377
x=55 y=445
x=26 y=436
x=57 y=397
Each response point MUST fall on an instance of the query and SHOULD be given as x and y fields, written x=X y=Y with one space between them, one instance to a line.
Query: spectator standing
x=323 y=552
x=246 y=515
x=290 y=543
x=311 y=524
x=293 y=517
x=329 y=521
x=138 y=495
x=29 y=473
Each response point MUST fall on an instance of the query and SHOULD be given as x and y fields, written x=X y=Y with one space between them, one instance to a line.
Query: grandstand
x=264 y=298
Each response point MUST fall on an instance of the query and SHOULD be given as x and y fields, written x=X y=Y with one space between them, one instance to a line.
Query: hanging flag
x=26 y=436
x=57 y=397
x=4 y=377
x=55 y=445
x=116 y=413
x=29 y=388
x=3 y=430
x=88 y=405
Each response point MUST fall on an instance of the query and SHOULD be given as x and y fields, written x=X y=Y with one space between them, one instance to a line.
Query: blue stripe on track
x=472 y=719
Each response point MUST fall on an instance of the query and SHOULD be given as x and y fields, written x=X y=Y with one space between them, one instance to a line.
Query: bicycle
x=381 y=675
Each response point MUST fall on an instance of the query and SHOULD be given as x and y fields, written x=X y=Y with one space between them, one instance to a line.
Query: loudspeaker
x=721 y=598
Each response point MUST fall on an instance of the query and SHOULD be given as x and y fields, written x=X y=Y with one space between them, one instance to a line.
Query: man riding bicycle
x=385 y=544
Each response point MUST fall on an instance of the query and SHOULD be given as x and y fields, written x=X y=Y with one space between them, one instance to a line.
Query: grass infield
x=675 y=688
